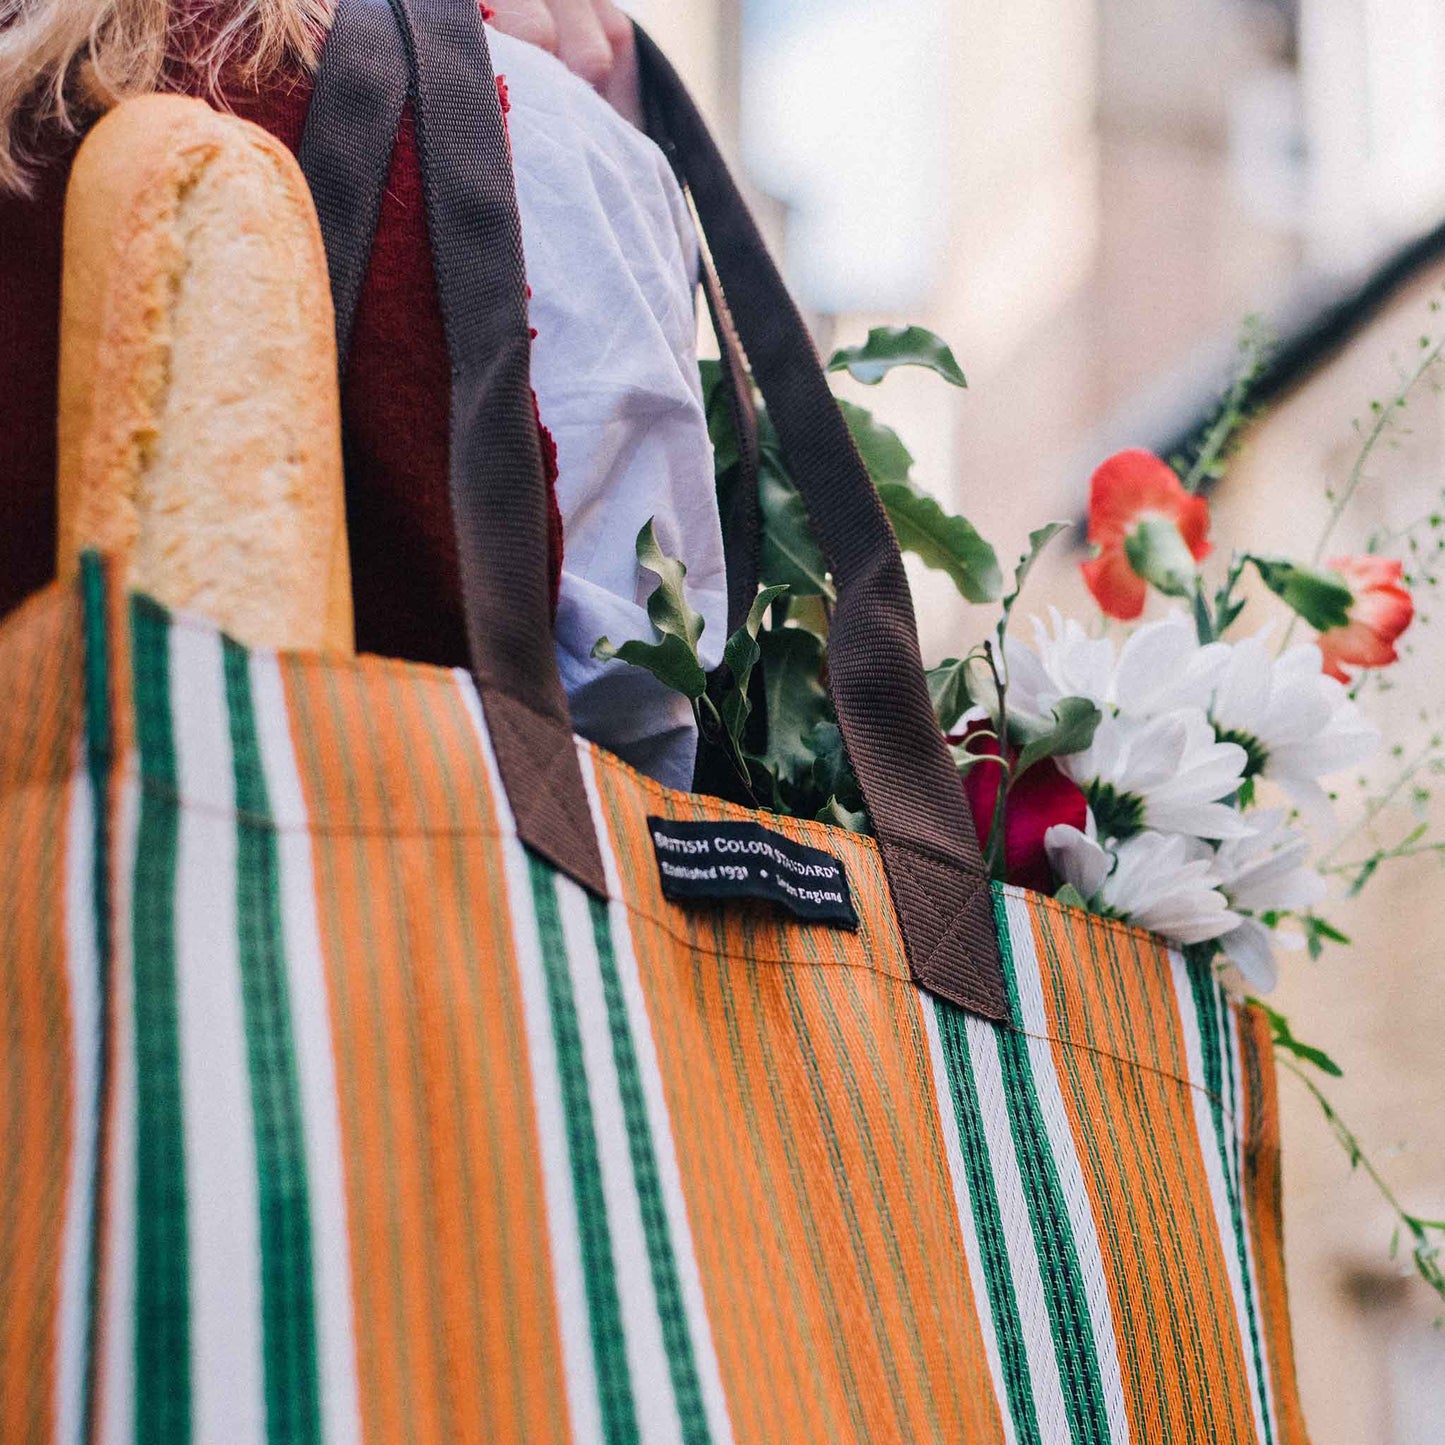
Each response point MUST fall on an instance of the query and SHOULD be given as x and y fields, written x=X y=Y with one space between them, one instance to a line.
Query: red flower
x=1041 y=798
x=1130 y=488
x=1382 y=609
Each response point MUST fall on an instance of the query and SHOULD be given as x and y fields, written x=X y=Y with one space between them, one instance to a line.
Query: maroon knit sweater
x=395 y=402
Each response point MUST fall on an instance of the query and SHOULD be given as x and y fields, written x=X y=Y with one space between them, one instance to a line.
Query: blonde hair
x=63 y=61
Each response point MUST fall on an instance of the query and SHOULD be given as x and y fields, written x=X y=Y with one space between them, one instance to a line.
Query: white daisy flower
x=1160 y=667
x=1167 y=773
x=1152 y=880
x=1296 y=724
x=1264 y=872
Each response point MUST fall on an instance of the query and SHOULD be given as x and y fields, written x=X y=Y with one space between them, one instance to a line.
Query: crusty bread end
x=200 y=435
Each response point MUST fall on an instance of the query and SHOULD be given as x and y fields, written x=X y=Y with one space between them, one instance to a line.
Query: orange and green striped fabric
x=330 y=1115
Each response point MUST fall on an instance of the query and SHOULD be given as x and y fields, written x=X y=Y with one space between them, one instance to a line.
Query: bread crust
x=199 y=415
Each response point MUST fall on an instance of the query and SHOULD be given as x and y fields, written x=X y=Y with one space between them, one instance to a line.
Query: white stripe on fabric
x=222 y=1191
x=574 y=1320
x=669 y=1172
x=82 y=967
x=1034 y=1020
x=658 y=1419
x=310 y=1006
x=963 y=1206
x=116 y=1367
x=1214 y=1170
x=983 y=1048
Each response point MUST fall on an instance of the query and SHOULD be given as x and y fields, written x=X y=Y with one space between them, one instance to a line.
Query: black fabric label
x=712 y=862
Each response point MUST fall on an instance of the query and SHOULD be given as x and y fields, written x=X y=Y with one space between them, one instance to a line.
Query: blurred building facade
x=1085 y=197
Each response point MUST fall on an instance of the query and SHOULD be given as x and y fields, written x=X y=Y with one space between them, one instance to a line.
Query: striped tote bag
x=382 y=1063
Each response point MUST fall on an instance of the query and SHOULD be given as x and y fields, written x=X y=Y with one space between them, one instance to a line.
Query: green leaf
x=840 y=817
x=833 y=775
x=948 y=691
x=667 y=605
x=1318 y=932
x=1284 y=1039
x=790 y=555
x=1158 y=553
x=945 y=542
x=796 y=699
x=1070 y=897
x=1038 y=540
x=673 y=658
x=719 y=418
x=890 y=346
x=741 y=655
x=671 y=661
x=1069 y=730
x=1321 y=598
x=881 y=448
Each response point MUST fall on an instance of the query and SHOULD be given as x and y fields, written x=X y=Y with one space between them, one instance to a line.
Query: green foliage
x=1157 y=553
x=1425 y=1234
x=667 y=606
x=796 y=699
x=881 y=448
x=1069 y=729
x=1236 y=410
x=790 y=555
x=1320 y=598
x=673 y=658
x=948 y=688
x=890 y=346
x=1038 y=540
x=1284 y=1039
x=940 y=540
x=740 y=656
x=1318 y=933
x=1070 y=897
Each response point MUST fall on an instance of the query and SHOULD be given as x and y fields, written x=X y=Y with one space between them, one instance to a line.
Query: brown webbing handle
x=497 y=482
x=909 y=783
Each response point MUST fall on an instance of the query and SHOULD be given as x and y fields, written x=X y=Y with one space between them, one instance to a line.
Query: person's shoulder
x=545 y=95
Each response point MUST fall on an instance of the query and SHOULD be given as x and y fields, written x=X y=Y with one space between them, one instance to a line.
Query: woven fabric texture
x=331 y=1114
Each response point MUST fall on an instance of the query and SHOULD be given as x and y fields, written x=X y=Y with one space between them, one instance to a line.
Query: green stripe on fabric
x=672 y=1310
x=604 y=1310
x=99 y=748
x=988 y=1220
x=1207 y=1002
x=162 y=1265
x=1064 y=1291
x=288 y=1308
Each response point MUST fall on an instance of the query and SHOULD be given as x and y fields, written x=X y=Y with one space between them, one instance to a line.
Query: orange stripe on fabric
x=1259 y=1110
x=455 y=1318
x=42 y=658
x=1110 y=1001
x=807 y=1137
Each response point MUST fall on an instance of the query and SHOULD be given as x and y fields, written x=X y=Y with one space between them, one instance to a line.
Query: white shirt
x=612 y=259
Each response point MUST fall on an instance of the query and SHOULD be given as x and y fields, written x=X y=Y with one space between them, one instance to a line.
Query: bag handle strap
x=497 y=482
x=909 y=782
x=939 y=887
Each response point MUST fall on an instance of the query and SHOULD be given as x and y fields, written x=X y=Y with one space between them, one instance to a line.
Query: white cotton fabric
x=612 y=261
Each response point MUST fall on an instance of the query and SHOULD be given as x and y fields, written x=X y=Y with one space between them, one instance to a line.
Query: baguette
x=199 y=416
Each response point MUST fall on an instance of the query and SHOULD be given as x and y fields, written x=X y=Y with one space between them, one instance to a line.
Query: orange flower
x=1382 y=609
x=1130 y=489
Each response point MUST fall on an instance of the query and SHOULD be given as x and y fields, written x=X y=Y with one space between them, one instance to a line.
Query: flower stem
x=1384 y=414
x=1376 y=806
x=1425 y=1251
